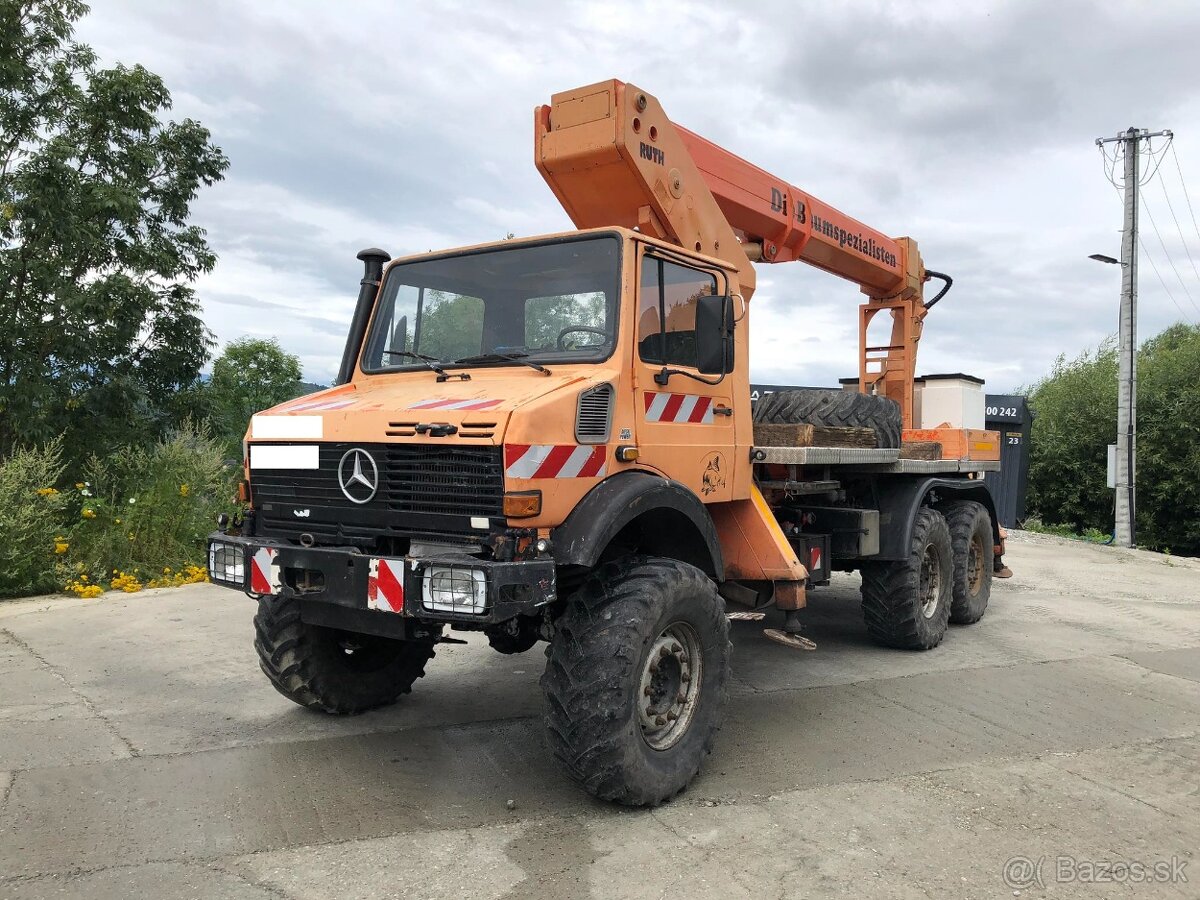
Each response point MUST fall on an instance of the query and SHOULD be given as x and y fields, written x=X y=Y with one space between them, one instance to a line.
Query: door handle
x=722 y=411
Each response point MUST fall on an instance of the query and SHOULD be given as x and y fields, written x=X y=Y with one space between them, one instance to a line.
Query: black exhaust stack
x=373 y=260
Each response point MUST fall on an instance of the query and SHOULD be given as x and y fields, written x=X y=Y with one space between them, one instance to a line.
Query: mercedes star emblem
x=358 y=475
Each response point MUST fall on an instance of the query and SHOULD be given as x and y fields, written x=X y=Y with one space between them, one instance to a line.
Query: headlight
x=454 y=589
x=226 y=563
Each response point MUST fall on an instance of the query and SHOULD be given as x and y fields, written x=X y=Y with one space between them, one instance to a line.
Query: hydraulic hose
x=942 y=293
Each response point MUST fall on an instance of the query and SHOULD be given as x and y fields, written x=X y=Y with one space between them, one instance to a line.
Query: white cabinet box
x=954 y=400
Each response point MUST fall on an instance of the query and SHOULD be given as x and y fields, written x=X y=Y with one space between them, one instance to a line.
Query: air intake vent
x=477 y=430
x=594 y=418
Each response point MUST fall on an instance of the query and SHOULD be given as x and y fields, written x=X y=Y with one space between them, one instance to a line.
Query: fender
x=900 y=499
x=619 y=500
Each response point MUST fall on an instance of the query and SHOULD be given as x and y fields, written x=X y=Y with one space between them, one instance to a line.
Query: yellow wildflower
x=79 y=485
x=118 y=521
x=88 y=514
x=82 y=589
x=46 y=492
x=129 y=583
x=60 y=547
x=183 y=490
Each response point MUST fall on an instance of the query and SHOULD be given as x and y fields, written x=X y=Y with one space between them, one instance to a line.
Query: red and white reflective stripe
x=385 y=585
x=814 y=559
x=314 y=405
x=554 y=461
x=442 y=403
x=264 y=574
x=327 y=405
x=661 y=407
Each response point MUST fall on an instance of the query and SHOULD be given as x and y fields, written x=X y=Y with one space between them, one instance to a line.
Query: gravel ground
x=142 y=754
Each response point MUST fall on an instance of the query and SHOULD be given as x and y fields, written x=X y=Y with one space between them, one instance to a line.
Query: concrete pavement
x=142 y=753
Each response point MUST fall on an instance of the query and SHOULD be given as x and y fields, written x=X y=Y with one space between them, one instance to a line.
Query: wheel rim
x=669 y=688
x=975 y=566
x=931 y=582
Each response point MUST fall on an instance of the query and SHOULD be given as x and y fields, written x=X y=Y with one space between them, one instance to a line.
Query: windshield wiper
x=430 y=363
x=501 y=357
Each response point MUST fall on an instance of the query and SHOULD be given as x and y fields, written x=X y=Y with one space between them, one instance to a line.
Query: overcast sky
x=967 y=126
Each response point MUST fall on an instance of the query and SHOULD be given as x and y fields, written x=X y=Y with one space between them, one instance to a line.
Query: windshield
x=544 y=303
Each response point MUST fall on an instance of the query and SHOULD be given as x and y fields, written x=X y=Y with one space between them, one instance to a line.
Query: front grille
x=446 y=480
x=438 y=490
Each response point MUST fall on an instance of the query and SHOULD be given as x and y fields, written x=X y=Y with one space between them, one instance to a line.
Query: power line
x=1167 y=254
x=1161 y=154
x=1183 y=184
x=1161 y=280
x=1163 y=184
x=1166 y=290
x=1110 y=165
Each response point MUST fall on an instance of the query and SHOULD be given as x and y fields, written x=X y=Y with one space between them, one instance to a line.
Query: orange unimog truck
x=551 y=439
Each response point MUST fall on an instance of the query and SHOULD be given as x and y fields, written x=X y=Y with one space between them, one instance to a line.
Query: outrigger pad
x=795 y=641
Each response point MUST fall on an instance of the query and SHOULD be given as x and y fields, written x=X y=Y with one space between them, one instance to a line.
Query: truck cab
x=493 y=389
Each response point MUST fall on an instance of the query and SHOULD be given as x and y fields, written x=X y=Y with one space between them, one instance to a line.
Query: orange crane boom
x=612 y=157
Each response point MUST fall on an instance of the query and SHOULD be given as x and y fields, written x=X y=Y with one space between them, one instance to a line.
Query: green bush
x=1075 y=409
x=142 y=511
x=31 y=519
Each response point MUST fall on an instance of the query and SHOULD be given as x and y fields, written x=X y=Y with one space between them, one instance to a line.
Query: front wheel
x=338 y=672
x=636 y=680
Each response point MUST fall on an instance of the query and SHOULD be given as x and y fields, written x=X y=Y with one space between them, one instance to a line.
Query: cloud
x=966 y=126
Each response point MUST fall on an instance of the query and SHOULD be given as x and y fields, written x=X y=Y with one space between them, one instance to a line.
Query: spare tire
x=814 y=406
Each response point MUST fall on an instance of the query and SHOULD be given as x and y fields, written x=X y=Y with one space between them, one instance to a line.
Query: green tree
x=251 y=375
x=451 y=325
x=1076 y=414
x=99 y=326
x=1075 y=419
x=546 y=317
x=1168 y=443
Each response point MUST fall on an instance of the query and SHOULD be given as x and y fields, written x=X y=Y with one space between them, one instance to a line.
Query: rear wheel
x=636 y=679
x=906 y=604
x=333 y=671
x=834 y=408
x=973 y=545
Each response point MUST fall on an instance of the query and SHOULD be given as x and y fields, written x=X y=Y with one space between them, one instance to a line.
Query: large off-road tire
x=636 y=679
x=836 y=408
x=972 y=542
x=333 y=671
x=906 y=604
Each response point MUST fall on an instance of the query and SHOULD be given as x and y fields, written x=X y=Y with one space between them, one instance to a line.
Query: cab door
x=685 y=423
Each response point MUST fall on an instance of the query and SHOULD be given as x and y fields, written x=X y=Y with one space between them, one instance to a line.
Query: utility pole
x=1126 y=500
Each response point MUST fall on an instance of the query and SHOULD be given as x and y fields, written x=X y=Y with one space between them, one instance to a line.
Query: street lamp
x=1100 y=257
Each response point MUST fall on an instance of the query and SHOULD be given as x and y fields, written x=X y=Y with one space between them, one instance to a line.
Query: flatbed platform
x=869 y=460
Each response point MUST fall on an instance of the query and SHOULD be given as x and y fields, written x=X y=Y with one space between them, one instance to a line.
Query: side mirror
x=714 y=335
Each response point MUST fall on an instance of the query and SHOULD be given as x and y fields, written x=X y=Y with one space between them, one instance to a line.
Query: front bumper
x=344 y=577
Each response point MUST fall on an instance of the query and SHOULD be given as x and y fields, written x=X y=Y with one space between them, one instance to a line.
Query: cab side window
x=666 y=321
